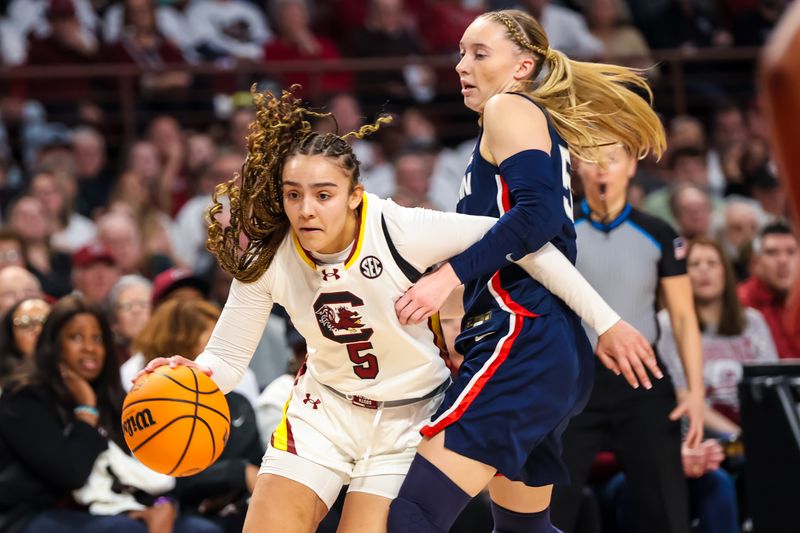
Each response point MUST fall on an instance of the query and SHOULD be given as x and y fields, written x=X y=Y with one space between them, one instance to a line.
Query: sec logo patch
x=371 y=267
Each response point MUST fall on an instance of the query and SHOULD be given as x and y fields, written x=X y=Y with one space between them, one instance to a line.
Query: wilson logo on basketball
x=137 y=422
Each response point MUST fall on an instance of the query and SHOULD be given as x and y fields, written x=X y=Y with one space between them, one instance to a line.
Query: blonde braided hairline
x=516 y=33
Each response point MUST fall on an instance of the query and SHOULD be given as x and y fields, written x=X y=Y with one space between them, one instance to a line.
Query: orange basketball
x=176 y=420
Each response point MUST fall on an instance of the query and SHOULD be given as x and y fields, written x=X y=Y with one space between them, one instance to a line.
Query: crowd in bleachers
x=119 y=231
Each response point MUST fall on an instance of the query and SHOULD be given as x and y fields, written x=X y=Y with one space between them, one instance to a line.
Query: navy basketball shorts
x=521 y=381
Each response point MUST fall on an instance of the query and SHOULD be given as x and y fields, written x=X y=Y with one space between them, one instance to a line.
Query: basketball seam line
x=178 y=383
x=194 y=423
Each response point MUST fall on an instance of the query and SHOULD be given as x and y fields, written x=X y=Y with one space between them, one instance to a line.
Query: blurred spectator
x=70 y=404
x=191 y=222
x=296 y=41
x=348 y=117
x=753 y=27
x=23 y=130
x=447 y=165
x=179 y=326
x=620 y=39
x=691 y=208
x=767 y=191
x=566 y=29
x=644 y=12
x=155 y=227
x=94 y=177
x=178 y=284
x=56 y=191
x=712 y=494
x=239 y=128
x=142 y=44
x=728 y=129
x=144 y=161
x=740 y=227
x=32 y=17
x=775 y=271
x=685 y=131
x=119 y=232
x=689 y=164
x=200 y=152
x=233 y=30
x=170 y=190
x=732 y=335
x=19 y=329
x=67 y=44
x=686 y=24
x=413 y=180
x=170 y=19
x=442 y=23
x=388 y=33
x=686 y=165
x=743 y=164
x=46 y=461
x=130 y=305
x=94 y=273
x=17 y=284
x=220 y=285
x=12 y=44
x=31 y=220
x=12 y=248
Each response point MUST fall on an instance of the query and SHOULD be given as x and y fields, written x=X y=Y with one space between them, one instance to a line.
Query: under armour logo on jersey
x=310 y=401
x=371 y=267
x=330 y=273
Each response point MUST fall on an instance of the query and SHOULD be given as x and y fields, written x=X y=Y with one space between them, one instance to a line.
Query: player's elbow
x=544 y=225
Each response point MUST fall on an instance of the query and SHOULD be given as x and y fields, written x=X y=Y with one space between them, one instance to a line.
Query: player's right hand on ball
x=173 y=361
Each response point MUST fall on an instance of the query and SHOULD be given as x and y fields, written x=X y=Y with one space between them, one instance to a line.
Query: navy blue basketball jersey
x=485 y=192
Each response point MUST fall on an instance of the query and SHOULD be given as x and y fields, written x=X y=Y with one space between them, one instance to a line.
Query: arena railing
x=683 y=81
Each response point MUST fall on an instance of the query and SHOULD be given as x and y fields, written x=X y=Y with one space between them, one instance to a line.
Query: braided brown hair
x=589 y=103
x=280 y=130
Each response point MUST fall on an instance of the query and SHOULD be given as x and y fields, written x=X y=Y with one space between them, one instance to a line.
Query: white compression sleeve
x=553 y=270
x=237 y=332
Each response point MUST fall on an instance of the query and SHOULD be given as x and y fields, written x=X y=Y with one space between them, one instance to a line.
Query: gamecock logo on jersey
x=338 y=319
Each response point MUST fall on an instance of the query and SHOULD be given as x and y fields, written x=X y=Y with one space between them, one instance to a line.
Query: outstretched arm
x=677 y=292
x=424 y=238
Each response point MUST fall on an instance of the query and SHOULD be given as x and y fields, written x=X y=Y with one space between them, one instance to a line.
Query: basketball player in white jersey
x=337 y=259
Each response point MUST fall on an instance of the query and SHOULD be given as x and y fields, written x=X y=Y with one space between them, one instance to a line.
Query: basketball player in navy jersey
x=528 y=365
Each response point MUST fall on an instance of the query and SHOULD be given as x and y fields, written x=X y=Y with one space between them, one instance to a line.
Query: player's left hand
x=426 y=296
x=691 y=404
x=623 y=350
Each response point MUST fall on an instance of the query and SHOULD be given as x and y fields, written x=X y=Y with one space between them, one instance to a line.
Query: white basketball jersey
x=346 y=314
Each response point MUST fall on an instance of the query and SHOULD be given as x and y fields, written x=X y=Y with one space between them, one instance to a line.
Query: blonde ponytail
x=590 y=104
